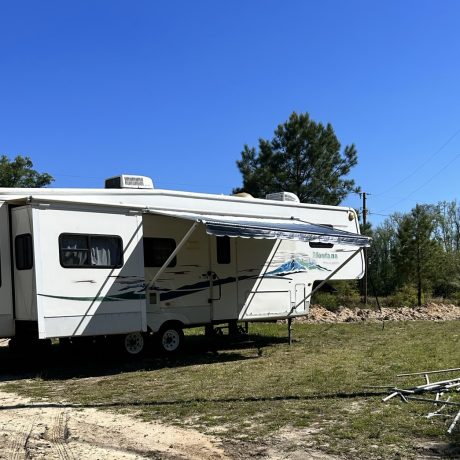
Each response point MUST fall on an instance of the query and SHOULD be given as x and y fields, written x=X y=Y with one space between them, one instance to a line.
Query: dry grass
x=254 y=391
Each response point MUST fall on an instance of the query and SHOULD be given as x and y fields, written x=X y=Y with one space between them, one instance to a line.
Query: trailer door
x=223 y=278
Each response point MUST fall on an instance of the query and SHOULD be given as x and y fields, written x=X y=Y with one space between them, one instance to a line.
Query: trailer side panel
x=89 y=272
x=6 y=290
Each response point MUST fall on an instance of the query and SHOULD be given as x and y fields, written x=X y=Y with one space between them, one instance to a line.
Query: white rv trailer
x=134 y=259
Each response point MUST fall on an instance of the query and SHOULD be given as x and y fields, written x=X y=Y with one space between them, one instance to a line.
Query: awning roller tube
x=293 y=233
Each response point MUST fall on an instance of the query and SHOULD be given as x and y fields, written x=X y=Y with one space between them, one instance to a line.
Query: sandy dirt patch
x=46 y=431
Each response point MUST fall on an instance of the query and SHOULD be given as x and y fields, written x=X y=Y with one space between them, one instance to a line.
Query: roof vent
x=128 y=181
x=243 y=195
x=283 y=196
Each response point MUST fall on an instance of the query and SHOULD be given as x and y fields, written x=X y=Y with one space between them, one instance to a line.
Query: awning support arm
x=325 y=280
x=173 y=254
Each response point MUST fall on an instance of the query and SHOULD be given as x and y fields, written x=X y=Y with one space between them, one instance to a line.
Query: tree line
x=419 y=251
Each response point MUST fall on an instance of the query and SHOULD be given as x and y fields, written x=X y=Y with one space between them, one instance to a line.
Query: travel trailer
x=130 y=260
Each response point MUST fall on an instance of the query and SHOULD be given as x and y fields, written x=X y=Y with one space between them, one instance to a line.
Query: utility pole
x=365 y=249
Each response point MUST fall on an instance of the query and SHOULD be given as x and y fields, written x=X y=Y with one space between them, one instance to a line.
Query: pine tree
x=303 y=157
x=416 y=254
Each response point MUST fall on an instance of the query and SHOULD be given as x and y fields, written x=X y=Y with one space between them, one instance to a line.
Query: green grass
x=315 y=388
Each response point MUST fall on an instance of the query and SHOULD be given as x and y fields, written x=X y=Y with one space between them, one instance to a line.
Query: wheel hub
x=134 y=343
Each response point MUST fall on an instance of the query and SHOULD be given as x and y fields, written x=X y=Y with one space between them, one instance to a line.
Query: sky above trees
x=174 y=90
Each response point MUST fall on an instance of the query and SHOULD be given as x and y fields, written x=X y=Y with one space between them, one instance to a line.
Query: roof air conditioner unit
x=283 y=196
x=129 y=181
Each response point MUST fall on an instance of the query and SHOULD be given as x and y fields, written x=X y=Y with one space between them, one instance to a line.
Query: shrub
x=325 y=299
x=455 y=298
x=346 y=294
x=404 y=296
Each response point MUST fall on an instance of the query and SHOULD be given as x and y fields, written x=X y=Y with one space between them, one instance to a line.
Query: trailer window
x=157 y=251
x=24 y=252
x=318 y=245
x=95 y=251
x=223 y=249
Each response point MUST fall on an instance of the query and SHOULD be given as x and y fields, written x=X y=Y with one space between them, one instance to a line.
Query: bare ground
x=51 y=431
x=47 y=431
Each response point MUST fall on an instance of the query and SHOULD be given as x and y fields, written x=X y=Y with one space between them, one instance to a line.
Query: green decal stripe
x=110 y=298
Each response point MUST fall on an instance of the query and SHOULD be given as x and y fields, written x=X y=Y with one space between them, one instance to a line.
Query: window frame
x=173 y=262
x=88 y=237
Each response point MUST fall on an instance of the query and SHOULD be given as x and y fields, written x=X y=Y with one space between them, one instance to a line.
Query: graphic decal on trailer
x=296 y=266
x=134 y=288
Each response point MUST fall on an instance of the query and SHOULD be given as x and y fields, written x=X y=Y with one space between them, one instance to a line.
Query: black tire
x=133 y=343
x=170 y=338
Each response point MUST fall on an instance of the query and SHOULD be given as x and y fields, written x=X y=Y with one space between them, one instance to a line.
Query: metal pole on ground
x=290 y=331
x=365 y=249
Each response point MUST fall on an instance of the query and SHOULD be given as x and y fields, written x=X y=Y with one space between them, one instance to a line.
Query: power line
x=426 y=182
x=377 y=214
x=445 y=144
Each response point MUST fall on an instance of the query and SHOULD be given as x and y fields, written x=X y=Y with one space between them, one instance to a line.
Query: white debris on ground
x=441 y=394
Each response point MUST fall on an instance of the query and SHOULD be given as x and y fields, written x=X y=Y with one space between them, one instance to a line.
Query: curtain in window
x=105 y=251
x=75 y=251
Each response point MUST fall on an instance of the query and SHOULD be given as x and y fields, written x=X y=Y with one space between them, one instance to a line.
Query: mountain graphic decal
x=296 y=266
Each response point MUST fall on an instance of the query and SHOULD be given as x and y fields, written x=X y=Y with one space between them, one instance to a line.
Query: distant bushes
x=346 y=294
x=341 y=293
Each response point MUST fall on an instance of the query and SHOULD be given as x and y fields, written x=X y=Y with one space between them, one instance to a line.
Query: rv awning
x=269 y=228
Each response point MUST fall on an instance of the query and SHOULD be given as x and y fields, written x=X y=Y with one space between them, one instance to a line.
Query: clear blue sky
x=174 y=89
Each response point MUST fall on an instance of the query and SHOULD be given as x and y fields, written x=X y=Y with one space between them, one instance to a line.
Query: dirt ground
x=51 y=431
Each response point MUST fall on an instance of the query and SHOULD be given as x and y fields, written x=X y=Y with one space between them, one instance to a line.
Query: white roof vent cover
x=283 y=196
x=129 y=181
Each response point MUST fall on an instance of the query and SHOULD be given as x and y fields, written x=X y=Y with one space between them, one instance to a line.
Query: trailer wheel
x=133 y=343
x=171 y=338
